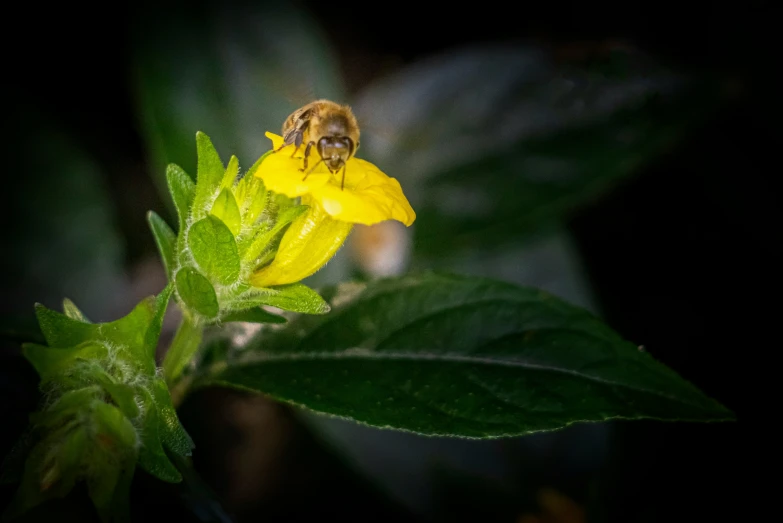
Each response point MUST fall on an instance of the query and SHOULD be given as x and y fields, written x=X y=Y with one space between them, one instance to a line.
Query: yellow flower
x=310 y=241
x=369 y=195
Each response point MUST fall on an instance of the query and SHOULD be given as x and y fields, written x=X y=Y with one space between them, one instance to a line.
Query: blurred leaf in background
x=499 y=142
x=61 y=238
x=231 y=73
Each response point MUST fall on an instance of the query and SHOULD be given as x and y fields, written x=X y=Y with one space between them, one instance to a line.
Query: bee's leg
x=342 y=183
x=298 y=137
x=313 y=169
x=306 y=155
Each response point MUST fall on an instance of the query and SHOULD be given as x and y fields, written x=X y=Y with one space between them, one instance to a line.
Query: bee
x=330 y=127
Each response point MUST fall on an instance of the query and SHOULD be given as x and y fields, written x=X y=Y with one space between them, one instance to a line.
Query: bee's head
x=335 y=151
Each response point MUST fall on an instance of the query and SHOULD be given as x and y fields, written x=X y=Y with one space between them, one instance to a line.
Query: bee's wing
x=296 y=124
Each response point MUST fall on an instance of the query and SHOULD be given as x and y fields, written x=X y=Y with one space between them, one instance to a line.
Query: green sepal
x=165 y=239
x=182 y=190
x=197 y=293
x=72 y=311
x=293 y=297
x=214 y=249
x=208 y=175
x=159 y=304
x=226 y=209
x=252 y=197
x=264 y=239
x=230 y=176
x=61 y=330
x=172 y=433
x=254 y=315
x=152 y=457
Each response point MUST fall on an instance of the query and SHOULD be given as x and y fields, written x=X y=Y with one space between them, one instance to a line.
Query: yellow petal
x=310 y=241
x=282 y=173
x=277 y=140
x=369 y=196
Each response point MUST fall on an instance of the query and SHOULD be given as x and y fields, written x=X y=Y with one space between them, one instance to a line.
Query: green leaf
x=62 y=331
x=182 y=190
x=123 y=395
x=293 y=297
x=152 y=457
x=165 y=239
x=226 y=209
x=209 y=174
x=72 y=311
x=113 y=422
x=184 y=345
x=252 y=198
x=232 y=171
x=136 y=334
x=50 y=362
x=251 y=194
x=156 y=324
x=459 y=356
x=196 y=291
x=254 y=315
x=172 y=433
x=70 y=404
x=134 y=337
x=214 y=249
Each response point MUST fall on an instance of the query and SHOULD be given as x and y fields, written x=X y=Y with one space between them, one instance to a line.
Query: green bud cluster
x=229 y=227
x=106 y=409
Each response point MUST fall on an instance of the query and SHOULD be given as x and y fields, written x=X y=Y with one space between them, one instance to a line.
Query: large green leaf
x=494 y=143
x=459 y=356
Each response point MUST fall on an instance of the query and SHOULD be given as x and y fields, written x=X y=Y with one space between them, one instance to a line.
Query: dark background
x=682 y=257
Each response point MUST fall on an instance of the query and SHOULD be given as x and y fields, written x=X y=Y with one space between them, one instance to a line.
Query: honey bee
x=330 y=127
